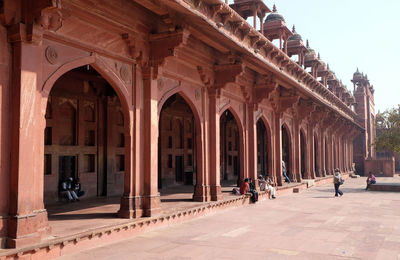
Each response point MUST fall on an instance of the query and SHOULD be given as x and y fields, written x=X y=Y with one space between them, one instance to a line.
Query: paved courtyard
x=310 y=225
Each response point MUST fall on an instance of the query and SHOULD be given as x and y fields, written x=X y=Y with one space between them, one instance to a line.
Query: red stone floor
x=310 y=225
x=71 y=218
x=67 y=219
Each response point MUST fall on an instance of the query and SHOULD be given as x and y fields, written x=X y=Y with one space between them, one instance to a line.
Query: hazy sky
x=350 y=34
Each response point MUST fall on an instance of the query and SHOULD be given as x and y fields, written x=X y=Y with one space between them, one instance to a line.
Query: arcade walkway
x=309 y=225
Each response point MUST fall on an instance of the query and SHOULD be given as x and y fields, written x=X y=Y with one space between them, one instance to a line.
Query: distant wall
x=386 y=166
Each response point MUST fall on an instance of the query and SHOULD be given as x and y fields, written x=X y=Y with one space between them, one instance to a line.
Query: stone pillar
x=252 y=144
x=323 y=155
x=328 y=166
x=341 y=154
x=130 y=201
x=297 y=152
x=27 y=216
x=202 y=188
x=278 y=148
x=151 y=203
x=311 y=161
x=214 y=146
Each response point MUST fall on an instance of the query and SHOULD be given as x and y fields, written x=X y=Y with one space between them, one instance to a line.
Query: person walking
x=337 y=181
x=284 y=172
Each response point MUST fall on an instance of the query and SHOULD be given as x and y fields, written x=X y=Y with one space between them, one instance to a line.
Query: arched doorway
x=316 y=164
x=286 y=150
x=84 y=136
x=263 y=150
x=229 y=149
x=303 y=155
x=177 y=146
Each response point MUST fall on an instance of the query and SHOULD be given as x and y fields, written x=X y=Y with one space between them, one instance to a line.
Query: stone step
x=392 y=187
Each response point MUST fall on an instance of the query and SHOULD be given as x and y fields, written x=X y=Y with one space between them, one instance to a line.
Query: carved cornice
x=239 y=30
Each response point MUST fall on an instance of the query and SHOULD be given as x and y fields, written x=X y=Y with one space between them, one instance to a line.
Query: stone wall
x=380 y=166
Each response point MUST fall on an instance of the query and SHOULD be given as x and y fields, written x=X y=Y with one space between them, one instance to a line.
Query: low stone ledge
x=389 y=187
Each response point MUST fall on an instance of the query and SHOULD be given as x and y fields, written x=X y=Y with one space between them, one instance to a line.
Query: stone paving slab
x=310 y=225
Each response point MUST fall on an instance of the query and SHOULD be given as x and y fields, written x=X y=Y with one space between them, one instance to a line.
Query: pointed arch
x=287 y=151
x=239 y=144
x=102 y=69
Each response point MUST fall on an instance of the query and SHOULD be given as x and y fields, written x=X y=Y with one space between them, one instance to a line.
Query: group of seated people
x=71 y=189
x=247 y=186
x=267 y=185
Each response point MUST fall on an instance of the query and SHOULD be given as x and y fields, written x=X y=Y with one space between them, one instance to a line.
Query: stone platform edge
x=110 y=234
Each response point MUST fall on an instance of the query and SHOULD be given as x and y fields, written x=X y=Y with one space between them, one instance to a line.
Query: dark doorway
x=236 y=166
x=66 y=167
x=229 y=148
x=262 y=149
x=286 y=150
x=178 y=168
x=176 y=145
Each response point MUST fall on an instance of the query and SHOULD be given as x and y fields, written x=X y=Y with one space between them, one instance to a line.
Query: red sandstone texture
x=134 y=97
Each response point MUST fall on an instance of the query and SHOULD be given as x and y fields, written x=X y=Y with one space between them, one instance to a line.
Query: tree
x=388 y=130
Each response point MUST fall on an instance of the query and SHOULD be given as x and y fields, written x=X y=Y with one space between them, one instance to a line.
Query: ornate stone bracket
x=305 y=109
x=263 y=89
x=227 y=73
x=133 y=47
x=221 y=75
x=288 y=103
x=165 y=45
x=315 y=118
x=47 y=15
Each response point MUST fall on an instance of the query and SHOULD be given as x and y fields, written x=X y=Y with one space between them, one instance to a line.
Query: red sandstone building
x=136 y=96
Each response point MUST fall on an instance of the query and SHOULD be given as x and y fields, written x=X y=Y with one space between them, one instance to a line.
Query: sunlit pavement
x=312 y=224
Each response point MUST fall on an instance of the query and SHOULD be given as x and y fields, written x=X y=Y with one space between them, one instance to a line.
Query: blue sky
x=350 y=34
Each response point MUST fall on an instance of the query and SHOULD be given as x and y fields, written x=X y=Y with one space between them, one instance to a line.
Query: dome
x=358 y=75
x=274 y=16
x=295 y=36
x=311 y=52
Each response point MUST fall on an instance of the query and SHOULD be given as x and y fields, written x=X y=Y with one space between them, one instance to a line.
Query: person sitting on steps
x=77 y=186
x=370 y=180
x=67 y=191
x=267 y=185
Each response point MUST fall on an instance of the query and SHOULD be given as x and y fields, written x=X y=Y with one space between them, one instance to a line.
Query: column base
x=216 y=193
x=131 y=207
x=151 y=205
x=201 y=193
x=27 y=229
